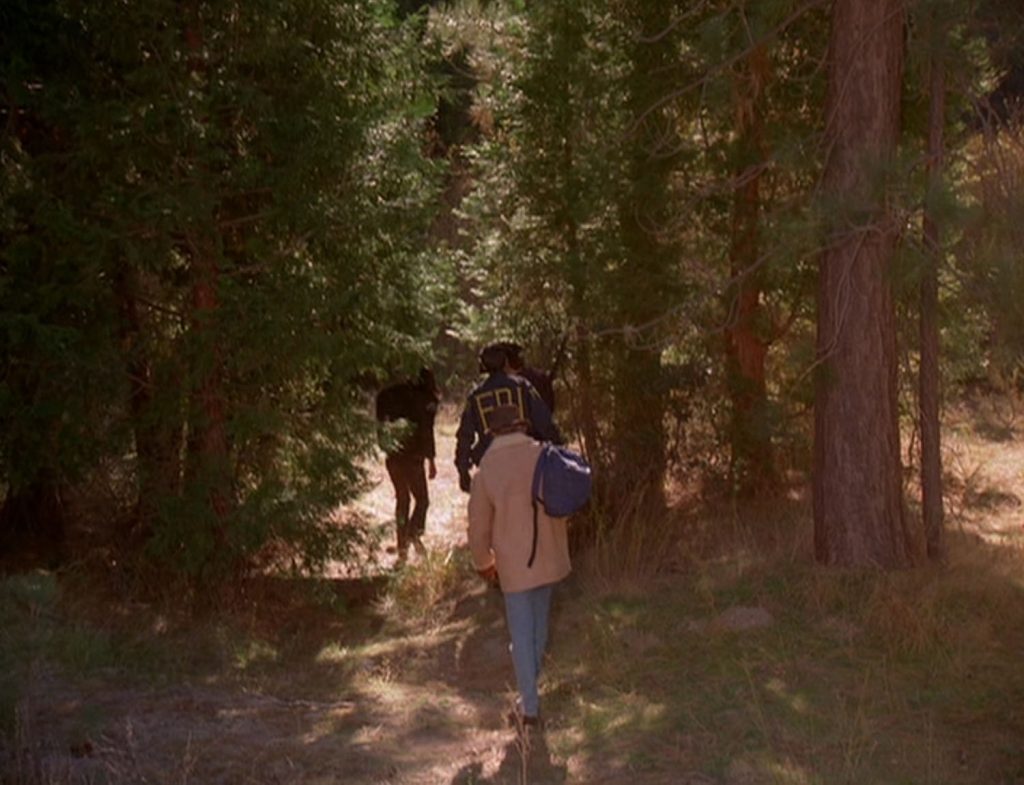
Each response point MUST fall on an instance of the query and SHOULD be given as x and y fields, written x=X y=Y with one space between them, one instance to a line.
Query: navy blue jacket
x=499 y=389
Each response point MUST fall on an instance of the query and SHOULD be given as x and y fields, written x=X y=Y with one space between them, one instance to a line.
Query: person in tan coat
x=500 y=538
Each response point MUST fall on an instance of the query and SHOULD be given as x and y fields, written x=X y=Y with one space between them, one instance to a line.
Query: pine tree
x=239 y=200
x=859 y=514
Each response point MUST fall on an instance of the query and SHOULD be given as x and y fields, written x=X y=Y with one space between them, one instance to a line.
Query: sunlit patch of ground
x=909 y=676
x=983 y=456
x=446 y=515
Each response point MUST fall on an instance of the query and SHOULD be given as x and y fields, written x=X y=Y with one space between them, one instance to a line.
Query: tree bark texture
x=746 y=349
x=208 y=449
x=153 y=398
x=582 y=406
x=578 y=276
x=211 y=466
x=638 y=428
x=859 y=518
x=929 y=388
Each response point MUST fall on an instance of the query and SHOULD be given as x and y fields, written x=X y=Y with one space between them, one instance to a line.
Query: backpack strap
x=533 y=546
x=538 y=472
x=538 y=475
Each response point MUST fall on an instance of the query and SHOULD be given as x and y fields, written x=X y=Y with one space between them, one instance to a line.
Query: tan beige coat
x=501 y=518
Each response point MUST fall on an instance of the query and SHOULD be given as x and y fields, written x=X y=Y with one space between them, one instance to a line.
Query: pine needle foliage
x=214 y=221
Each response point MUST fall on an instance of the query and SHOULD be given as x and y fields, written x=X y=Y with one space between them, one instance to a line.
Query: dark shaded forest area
x=772 y=250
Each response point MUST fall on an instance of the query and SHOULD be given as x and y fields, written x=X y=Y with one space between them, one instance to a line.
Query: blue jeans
x=527 y=614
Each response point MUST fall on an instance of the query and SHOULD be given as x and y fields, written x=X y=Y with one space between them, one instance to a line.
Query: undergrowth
x=846 y=676
x=860 y=677
x=416 y=593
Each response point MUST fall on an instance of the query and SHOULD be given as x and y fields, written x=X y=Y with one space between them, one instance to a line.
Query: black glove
x=464 y=481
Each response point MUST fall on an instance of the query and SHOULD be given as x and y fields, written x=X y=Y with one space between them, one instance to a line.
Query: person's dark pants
x=409 y=476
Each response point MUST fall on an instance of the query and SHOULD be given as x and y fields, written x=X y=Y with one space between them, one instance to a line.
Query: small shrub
x=416 y=590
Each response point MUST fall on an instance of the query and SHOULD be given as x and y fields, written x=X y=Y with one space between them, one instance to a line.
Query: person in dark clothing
x=501 y=388
x=415 y=403
x=543 y=381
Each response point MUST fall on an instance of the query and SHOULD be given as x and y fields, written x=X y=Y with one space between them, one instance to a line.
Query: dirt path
x=422 y=706
x=421 y=710
x=446 y=516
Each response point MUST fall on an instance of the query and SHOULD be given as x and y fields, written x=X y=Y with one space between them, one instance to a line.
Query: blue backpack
x=562 y=482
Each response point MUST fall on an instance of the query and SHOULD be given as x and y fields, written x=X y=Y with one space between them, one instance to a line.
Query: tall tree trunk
x=209 y=460
x=579 y=280
x=750 y=436
x=583 y=405
x=638 y=429
x=638 y=419
x=931 y=453
x=859 y=517
x=208 y=442
x=155 y=411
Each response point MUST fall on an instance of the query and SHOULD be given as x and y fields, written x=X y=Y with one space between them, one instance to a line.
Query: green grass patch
x=862 y=677
x=33 y=628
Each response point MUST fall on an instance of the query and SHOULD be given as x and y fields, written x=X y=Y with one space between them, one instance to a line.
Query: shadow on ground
x=525 y=759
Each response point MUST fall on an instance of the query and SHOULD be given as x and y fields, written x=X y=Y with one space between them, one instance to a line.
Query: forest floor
x=737 y=663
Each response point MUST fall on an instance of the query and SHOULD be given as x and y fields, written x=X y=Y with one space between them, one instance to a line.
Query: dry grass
x=983 y=456
x=417 y=593
x=860 y=677
x=630 y=545
x=864 y=677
